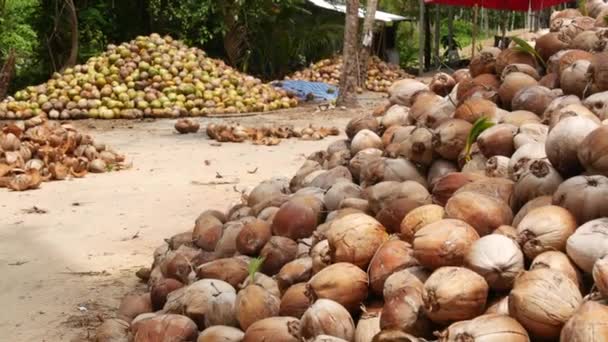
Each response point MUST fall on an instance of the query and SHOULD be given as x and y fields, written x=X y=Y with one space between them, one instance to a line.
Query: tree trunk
x=427 y=38
x=437 y=34
x=73 y=58
x=6 y=73
x=368 y=40
x=421 y=39
x=348 y=79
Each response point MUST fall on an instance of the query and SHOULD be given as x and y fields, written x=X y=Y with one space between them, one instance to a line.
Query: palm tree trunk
x=368 y=39
x=348 y=79
x=73 y=58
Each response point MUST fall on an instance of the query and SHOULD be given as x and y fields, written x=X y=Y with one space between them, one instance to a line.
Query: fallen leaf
x=18 y=263
x=34 y=210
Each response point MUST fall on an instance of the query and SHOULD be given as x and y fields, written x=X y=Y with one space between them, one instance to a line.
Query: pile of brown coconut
x=474 y=209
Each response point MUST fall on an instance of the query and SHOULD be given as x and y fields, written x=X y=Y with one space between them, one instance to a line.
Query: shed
x=385 y=39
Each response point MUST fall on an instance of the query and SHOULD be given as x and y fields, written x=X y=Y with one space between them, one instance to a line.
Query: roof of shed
x=380 y=16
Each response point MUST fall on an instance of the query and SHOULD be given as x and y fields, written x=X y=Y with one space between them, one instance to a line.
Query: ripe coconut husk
x=418 y=146
x=543 y=300
x=524 y=154
x=598 y=104
x=327 y=317
x=597 y=71
x=587 y=324
x=411 y=277
x=341 y=282
x=402 y=92
x=523 y=68
x=584 y=41
x=392 y=256
x=450 y=138
x=489 y=328
x=447 y=185
x=393 y=212
x=574 y=79
x=113 y=330
x=545 y=228
x=558 y=104
x=423 y=104
x=536 y=178
x=593 y=151
x=443 y=243
x=550 y=81
x=165 y=328
x=298 y=217
x=484 y=62
x=501 y=189
x=513 y=56
x=396 y=115
x=161 y=289
x=497 y=140
x=134 y=305
x=530 y=133
x=498 y=167
x=252 y=238
x=454 y=294
x=530 y=205
x=600 y=275
x=295 y=301
x=277 y=252
x=419 y=217
x=497 y=258
x=461 y=75
x=483 y=82
x=254 y=303
x=442 y=84
x=368 y=325
x=194 y=299
x=438 y=169
x=588 y=244
x=548 y=44
x=279 y=329
x=558 y=261
x=404 y=312
x=231 y=270
x=185 y=126
x=533 y=98
x=207 y=231
x=473 y=109
x=388 y=169
x=296 y=271
x=483 y=212
x=221 y=333
x=573 y=110
x=498 y=306
x=572 y=56
x=564 y=141
x=511 y=84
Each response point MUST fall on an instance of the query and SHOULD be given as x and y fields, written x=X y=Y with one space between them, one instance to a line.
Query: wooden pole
x=475 y=13
x=437 y=32
x=348 y=78
x=368 y=39
x=427 y=38
x=421 y=38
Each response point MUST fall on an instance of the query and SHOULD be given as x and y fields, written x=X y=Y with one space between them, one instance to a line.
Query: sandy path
x=66 y=269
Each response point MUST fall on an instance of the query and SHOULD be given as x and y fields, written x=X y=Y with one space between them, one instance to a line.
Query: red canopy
x=511 y=5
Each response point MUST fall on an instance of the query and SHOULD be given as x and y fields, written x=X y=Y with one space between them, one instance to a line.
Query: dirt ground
x=69 y=250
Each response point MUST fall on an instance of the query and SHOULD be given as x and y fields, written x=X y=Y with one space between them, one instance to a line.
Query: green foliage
x=254 y=267
x=480 y=125
x=17 y=32
x=524 y=47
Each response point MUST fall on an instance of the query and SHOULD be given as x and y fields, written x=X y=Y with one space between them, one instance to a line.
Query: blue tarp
x=304 y=90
